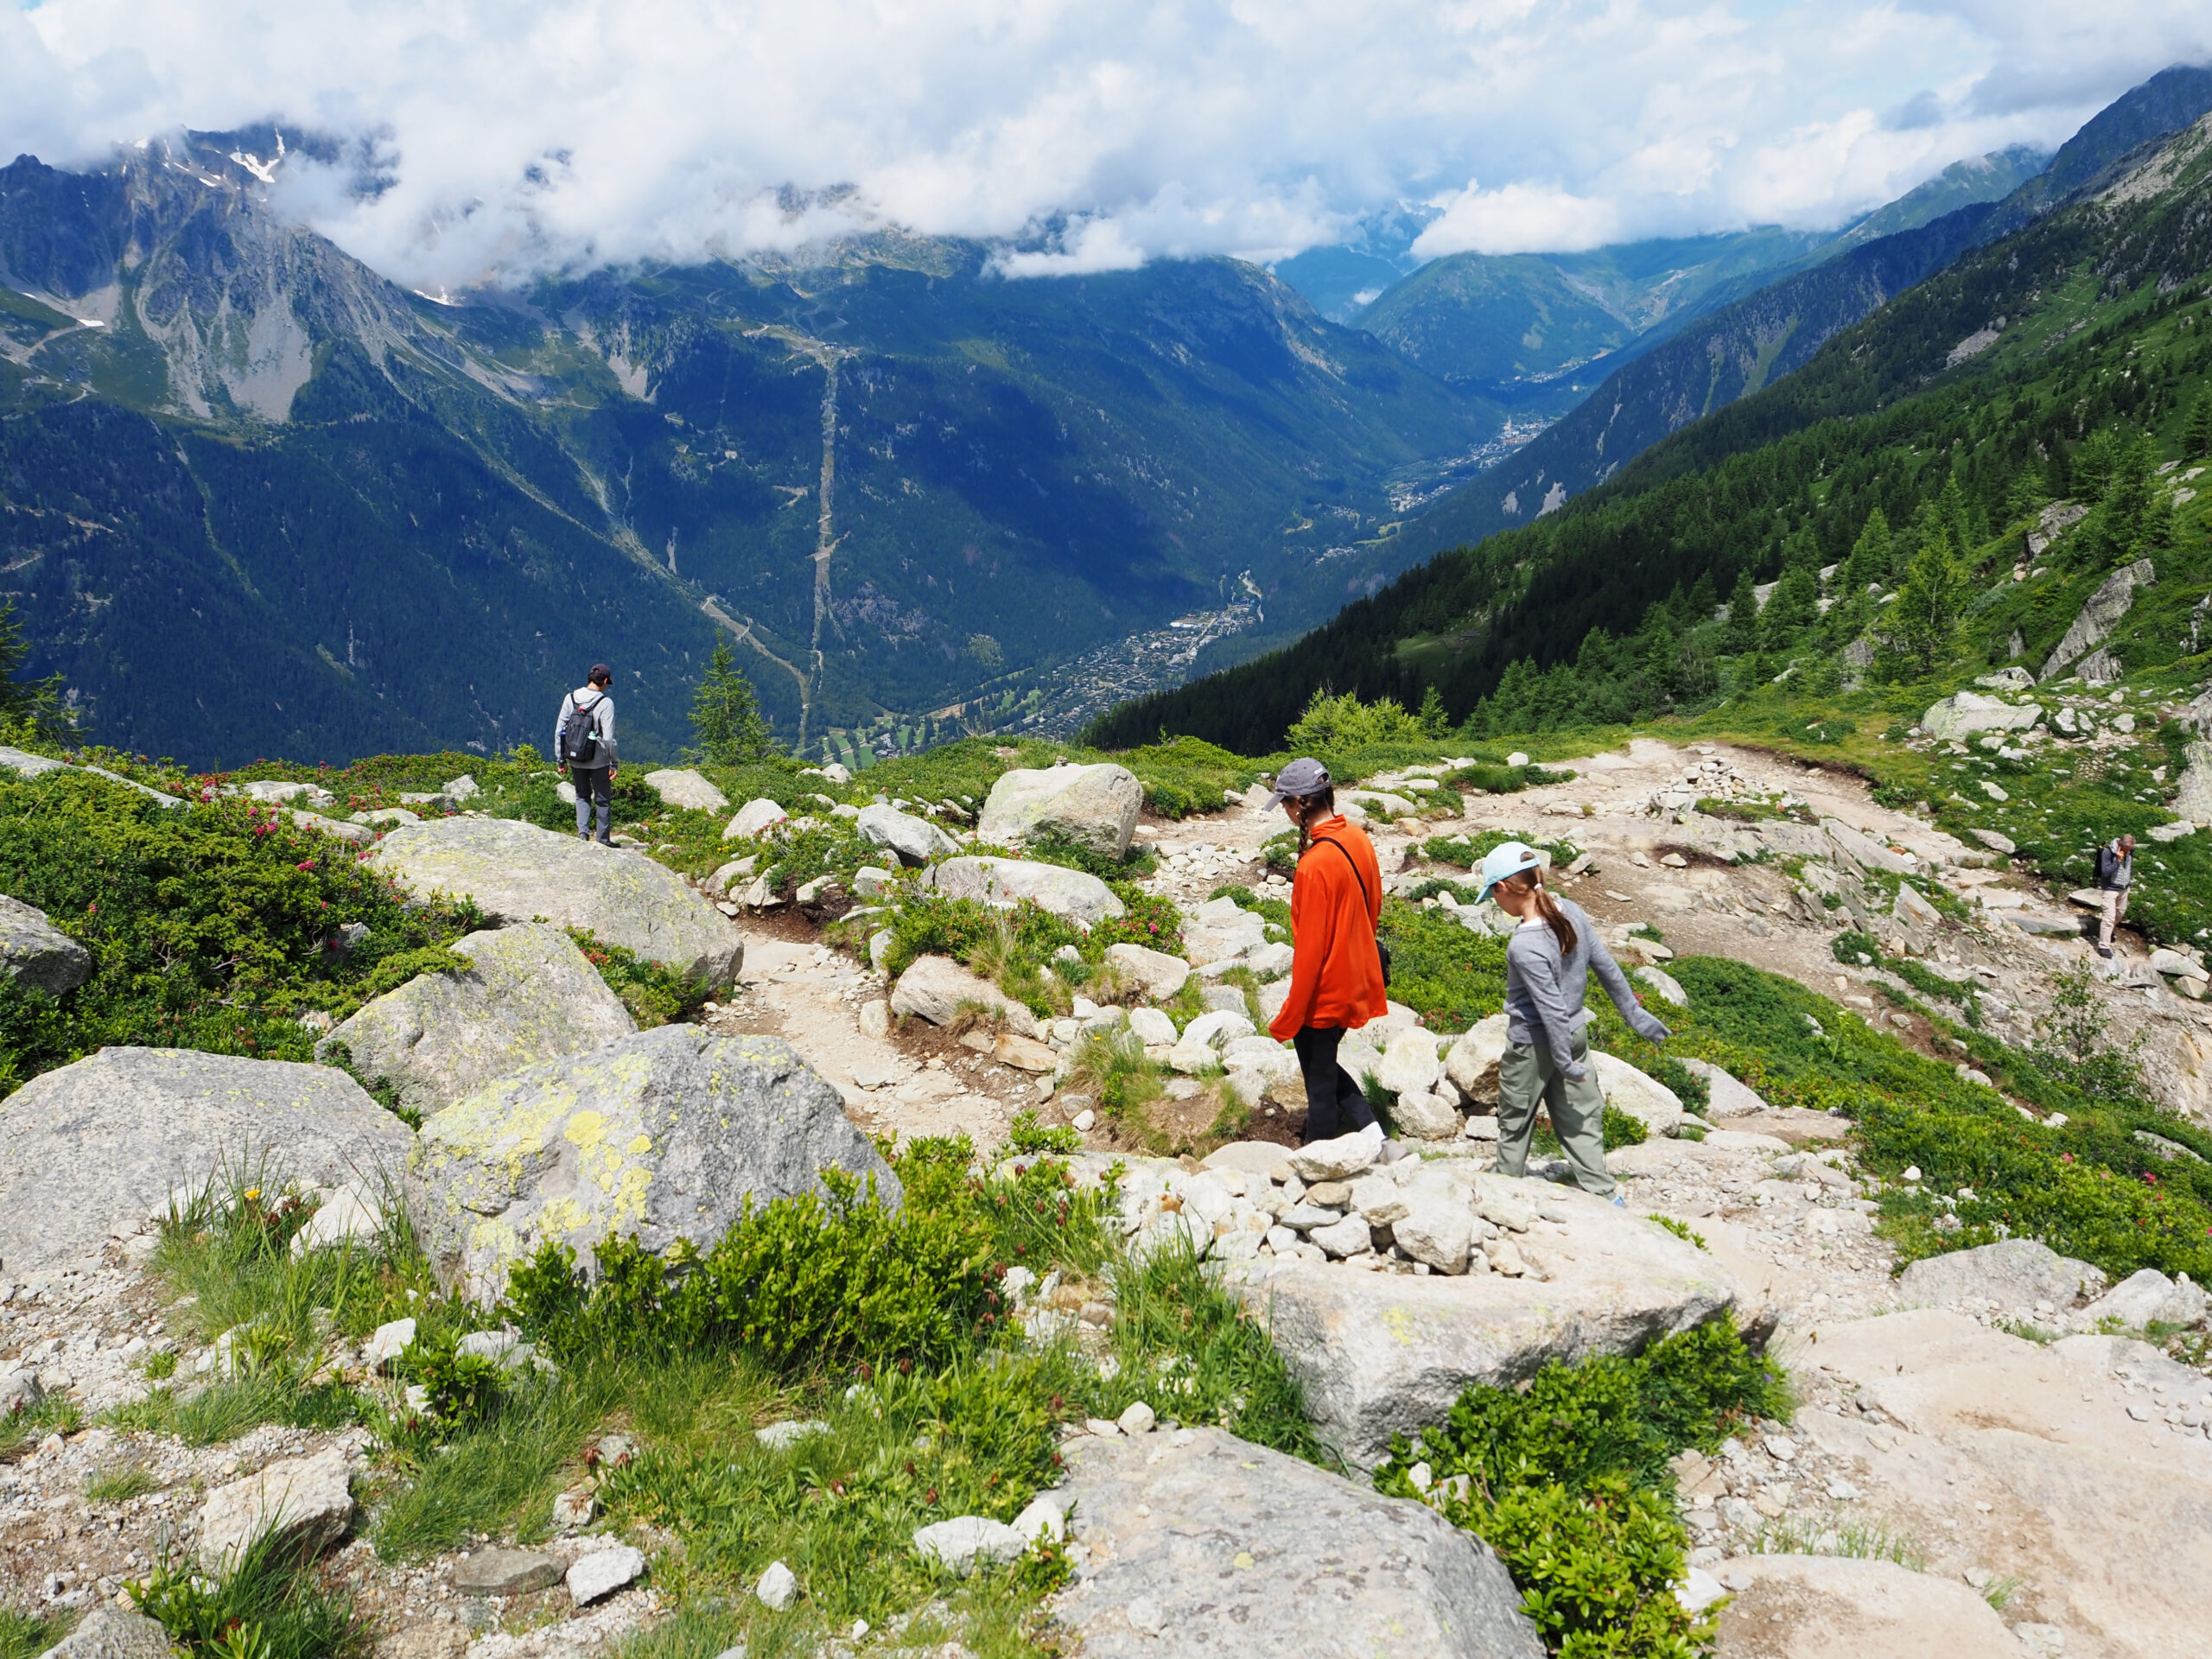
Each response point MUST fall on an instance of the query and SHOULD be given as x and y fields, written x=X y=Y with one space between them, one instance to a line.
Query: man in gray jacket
x=2115 y=875
x=583 y=742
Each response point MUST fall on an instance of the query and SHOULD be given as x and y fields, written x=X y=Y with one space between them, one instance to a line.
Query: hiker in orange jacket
x=1336 y=974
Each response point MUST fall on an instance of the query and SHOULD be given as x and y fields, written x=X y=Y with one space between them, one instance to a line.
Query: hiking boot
x=2104 y=951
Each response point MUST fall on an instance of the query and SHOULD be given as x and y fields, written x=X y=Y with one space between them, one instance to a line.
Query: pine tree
x=1951 y=509
x=2196 y=444
x=725 y=716
x=1923 y=625
x=1871 y=554
x=1793 y=604
x=1740 y=633
x=27 y=708
x=1435 y=723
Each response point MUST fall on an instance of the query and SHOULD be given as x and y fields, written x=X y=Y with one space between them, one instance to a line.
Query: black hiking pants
x=1335 y=1104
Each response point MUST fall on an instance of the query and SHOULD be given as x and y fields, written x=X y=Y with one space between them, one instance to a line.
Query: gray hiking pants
x=595 y=789
x=1527 y=1078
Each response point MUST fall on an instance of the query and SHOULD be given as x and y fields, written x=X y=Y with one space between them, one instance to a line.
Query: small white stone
x=778 y=1587
x=1137 y=1419
x=604 y=1571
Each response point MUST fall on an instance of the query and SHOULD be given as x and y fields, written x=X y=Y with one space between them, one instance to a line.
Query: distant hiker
x=1548 y=964
x=1336 y=972
x=2115 y=875
x=583 y=742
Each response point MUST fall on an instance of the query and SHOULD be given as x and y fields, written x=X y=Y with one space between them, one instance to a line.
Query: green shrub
x=25 y=1635
x=270 y=1605
x=654 y=995
x=1028 y=1134
x=1333 y=725
x=1567 y=1479
x=810 y=1280
x=212 y=925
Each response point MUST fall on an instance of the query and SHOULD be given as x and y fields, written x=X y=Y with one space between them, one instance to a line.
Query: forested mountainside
x=1769 y=334
x=1539 y=329
x=2060 y=369
x=257 y=499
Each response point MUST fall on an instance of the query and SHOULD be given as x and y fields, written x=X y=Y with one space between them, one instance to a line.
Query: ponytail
x=1531 y=881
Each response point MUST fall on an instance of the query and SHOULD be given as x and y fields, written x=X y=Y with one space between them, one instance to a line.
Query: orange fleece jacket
x=1335 y=974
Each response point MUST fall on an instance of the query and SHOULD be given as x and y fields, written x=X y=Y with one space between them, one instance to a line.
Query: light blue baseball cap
x=1509 y=859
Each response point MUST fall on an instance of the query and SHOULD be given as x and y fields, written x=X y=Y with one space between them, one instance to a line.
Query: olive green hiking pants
x=1528 y=1077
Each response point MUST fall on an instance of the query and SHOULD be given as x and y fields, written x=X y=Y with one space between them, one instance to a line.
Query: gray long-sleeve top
x=1545 y=988
x=579 y=705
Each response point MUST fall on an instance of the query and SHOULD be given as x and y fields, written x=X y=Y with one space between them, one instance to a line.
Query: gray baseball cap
x=1301 y=778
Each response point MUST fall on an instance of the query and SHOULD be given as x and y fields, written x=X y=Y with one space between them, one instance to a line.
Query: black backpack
x=580 y=738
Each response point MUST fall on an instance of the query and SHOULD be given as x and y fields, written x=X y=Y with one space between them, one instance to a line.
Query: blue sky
x=530 y=134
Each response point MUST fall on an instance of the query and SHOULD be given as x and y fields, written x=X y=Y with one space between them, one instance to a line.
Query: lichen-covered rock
x=754 y=818
x=936 y=988
x=516 y=871
x=2014 y=1273
x=1093 y=806
x=663 y=1135
x=1201 y=1543
x=92 y=1150
x=1965 y=712
x=37 y=953
x=683 y=787
x=533 y=997
x=1075 y=894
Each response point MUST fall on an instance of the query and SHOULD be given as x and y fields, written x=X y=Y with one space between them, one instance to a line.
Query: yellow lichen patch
x=639 y=1145
x=587 y=1129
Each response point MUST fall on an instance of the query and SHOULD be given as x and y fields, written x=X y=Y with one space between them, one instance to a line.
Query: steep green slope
x=257 y=498
x=2023 y=374
x=1775 y=331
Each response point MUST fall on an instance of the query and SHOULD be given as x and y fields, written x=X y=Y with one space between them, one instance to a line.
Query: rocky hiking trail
x=1982 y=1458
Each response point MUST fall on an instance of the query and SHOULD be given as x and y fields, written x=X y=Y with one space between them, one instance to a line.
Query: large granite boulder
x=1965 y=712
x=1194 y=1542
x=93 y=1151
x=2013 y=1274
x=1658 y=1107
x=516 y=872
x=1075 y=894
x=1379 y=1353
x=1093 y=806
x=683 y=787
x=937 y=990
x=35 y=951
x=533 y=997
x=916 y=840
x=663 y=1135
x=1472 y=1060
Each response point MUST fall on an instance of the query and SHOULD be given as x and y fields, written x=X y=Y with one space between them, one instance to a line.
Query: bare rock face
x=1093 y=806
x=93 y=1149
x=663 y=1135
x=916 y=840
x=36 y=952
x=516 y=872
x=1658 y=1107
x=2114 y=596
x=1198 y=1542
x=1379 y=1353
x=1836 y=1607
x=439 y=1037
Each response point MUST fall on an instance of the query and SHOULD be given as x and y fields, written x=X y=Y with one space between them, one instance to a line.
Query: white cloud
x=565 y=132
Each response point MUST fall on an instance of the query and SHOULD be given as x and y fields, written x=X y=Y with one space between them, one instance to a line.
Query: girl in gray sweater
x=1547 y=964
